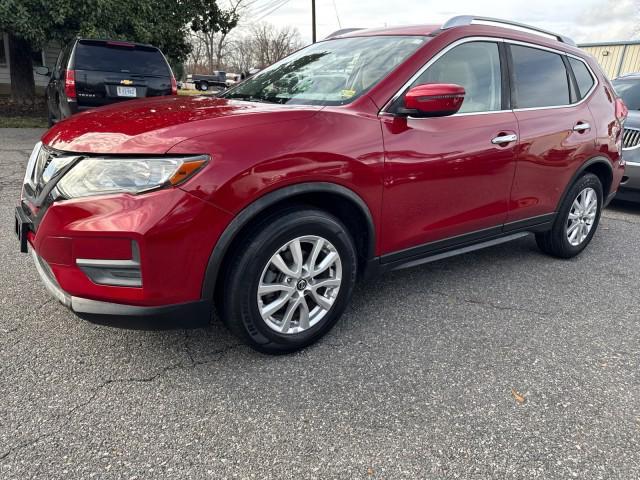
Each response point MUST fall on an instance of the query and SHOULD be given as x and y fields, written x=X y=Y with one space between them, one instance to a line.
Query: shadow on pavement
x=149 y=322
x=624 y=207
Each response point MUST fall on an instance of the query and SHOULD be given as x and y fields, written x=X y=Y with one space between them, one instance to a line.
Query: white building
x=46 y=57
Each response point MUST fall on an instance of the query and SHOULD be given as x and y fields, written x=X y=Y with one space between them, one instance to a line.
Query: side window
x=583 y=76
x=540 y=78
x=57 y=69
x=474 y=66
x=66 y=55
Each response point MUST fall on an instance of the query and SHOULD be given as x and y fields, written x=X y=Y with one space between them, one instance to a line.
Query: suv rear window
x=540 y=78
x=104 y=57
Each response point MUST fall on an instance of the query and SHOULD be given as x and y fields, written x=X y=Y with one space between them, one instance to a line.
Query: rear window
x=583 y=77
x=540 y=78
x=123 y=59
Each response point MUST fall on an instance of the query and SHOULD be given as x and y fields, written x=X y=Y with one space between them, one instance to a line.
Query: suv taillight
x=174 y=86
x=621 y=110
x=70 y=84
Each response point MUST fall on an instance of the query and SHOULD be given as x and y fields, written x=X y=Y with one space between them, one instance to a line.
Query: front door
x=450 y=176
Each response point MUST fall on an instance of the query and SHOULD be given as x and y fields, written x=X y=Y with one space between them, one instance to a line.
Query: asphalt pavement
x=503 y=363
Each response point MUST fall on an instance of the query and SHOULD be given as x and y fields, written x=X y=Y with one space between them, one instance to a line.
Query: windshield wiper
x=248 y=98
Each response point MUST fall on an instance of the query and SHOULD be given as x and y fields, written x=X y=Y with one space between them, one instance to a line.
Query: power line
x=272 y=8
x=337 y=16
x=265 y=7
x=282 y=4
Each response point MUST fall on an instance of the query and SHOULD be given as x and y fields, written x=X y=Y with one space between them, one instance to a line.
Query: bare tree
x=208 y=41
x=196 y=61
x=210 y=44
x=234 y=10
x=242 y=57
x=272 y=43
x=262 y=45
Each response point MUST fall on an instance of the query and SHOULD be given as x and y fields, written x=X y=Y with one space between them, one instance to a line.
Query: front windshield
x=334 y=72
x=629 y=90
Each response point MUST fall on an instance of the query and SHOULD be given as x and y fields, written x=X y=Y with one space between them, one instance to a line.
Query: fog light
x=119 y=273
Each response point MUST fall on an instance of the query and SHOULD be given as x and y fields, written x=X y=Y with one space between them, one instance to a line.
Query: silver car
x=628 y=87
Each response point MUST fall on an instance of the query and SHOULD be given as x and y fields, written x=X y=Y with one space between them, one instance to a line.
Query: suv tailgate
x=108 y=72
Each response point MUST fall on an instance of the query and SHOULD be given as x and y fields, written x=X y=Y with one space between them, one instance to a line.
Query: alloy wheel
x=582 y=216
x=299 y=284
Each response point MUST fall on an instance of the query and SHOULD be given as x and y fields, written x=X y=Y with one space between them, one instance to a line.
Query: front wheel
x=291 y=280
x=576 y=221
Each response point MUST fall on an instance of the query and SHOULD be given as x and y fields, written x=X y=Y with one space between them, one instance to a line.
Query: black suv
x=93 y=73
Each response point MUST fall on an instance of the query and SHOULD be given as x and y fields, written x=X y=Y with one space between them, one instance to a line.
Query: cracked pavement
x=415 y=381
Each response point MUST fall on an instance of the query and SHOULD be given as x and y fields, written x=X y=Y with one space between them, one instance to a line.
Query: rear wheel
x=204 y=86
x=291 y=281
x=576 y=221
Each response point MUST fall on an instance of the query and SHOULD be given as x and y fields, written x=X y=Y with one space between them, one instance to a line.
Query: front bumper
x=95 y=307
x=629 y=188
x=124 y=254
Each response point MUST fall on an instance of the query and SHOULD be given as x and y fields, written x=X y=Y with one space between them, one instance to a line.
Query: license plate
x=126 y=91
x=23 y=225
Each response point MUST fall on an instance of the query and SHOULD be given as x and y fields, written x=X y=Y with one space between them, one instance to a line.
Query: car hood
x=153 y=126
x=633 y=119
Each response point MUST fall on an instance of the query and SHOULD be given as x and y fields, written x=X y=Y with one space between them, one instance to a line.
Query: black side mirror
x=43 y=71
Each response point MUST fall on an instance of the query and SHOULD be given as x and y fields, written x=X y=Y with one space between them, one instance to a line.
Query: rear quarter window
x=121 y=59
x=583 y=76
x=540 y=78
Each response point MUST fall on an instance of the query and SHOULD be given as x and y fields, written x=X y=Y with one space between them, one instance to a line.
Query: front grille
x=43 y=168
x=630 y=138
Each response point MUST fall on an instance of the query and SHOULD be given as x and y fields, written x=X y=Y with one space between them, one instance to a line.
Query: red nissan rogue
x=369 y=151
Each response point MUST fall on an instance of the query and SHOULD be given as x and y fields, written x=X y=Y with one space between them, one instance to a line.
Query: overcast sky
x=583 y=20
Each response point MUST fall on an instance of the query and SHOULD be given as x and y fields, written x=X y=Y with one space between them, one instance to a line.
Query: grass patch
x=197 y=92
x=189 y=92
x=22 y=122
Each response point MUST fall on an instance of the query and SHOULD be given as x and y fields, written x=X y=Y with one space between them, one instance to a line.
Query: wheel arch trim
x=249 y=212
x=592 y=161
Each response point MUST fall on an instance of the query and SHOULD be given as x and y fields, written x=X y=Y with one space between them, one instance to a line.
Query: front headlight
x=99 y=176
x=28 y=176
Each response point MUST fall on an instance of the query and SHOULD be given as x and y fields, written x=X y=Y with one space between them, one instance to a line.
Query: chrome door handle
x=581 y=127
x=512 y=137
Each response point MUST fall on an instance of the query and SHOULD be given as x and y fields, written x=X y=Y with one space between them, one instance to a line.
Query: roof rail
x=462 y=20
x=343 y=31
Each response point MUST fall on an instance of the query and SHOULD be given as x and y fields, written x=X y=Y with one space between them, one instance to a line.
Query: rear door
x=110 y=71
x=449 y=177
x=557 y=131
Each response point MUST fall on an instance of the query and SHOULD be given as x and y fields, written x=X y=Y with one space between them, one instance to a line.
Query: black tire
x=204 y=86
x=555 y=242
x=239 y=305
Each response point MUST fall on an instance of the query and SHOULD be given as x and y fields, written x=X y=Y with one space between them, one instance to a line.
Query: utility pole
x=313 y=21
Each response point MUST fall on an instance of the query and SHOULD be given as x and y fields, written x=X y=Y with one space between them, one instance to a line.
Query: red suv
x=371 y=151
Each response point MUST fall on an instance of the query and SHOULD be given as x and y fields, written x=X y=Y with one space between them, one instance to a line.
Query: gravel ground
x=502 y=363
